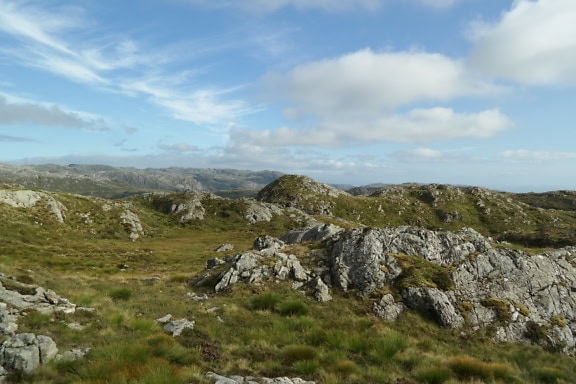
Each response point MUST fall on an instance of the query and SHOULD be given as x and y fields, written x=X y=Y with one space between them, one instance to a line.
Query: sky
x=466 y=92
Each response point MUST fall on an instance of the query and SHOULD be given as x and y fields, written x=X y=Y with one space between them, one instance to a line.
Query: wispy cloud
x=14 y=139
x=53 y=115
x=523 y=155
x=114 y=63
x=179 y=147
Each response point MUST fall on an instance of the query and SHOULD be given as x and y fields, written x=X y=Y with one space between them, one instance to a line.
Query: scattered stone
x=388 y=309
x=25 y=352
x=218 y=379
x=214 y=262
x=321 y=291
x=73 y=354
x=151 y=280
x=164 y=319
x=225 y=248
x=176 y=327
x=267 y=243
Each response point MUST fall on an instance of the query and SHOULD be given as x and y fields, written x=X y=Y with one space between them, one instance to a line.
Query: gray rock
x=490 y=285
x=176 y=327
x=214 y=262
x=225 y=248
x=321 y=291
x=26 y=351
x=267 y=243
x=388 y=309
x=29 y=199
x=315 y=233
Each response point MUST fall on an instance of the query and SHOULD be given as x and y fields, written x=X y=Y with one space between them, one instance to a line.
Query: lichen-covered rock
x=388 y=308
x=218 y=379
x=489 y=285
x=25 y=352
x=258 y=211
x=29 y=199
x=315 y=233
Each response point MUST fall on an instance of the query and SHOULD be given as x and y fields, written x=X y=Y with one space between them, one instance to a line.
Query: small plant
x=292 y=308
x=345 y=368
x=294 y=353
x=468 y=368
x=558 y=321
x=501 y=306
x=265 y=301
x=388 y=346
x=433 y=375
x=548 y=375
x=120 y=294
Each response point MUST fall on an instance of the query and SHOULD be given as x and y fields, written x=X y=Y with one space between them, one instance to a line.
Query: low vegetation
x=268 y=330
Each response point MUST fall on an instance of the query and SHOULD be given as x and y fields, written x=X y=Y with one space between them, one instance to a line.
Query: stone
x=321 y=291
x=214 y=262
x=225 y=248
x=388 y=309
x=176 y=327
x=267 y=243
x=315 y=233
x=25 y=352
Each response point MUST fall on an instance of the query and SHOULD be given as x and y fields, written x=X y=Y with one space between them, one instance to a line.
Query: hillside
x=110 y=182
x=411 y=284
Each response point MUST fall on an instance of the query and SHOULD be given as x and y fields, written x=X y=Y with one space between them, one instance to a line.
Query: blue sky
x=468 y=92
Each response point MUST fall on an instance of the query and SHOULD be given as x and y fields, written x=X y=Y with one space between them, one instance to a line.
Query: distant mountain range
x=112 y=182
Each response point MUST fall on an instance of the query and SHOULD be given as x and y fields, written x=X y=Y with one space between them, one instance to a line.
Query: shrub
x=306 y=367
x=345 y=368
x=294 y=353
x=265 y=301
x=386 y=347
x=120 y=294
x=548 y=375
x=466 y=367
x=433 y=375
x=293 y=308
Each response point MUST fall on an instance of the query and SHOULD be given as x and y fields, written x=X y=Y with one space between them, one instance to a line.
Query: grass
x=269 y=330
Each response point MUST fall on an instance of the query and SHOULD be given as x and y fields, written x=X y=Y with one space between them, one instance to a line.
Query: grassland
x=268 y=330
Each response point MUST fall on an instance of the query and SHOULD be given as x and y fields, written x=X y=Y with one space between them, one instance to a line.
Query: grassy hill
x=260 y=330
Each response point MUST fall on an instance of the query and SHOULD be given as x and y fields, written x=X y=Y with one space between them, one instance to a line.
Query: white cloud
x=35 y=113
x=179 y=147
x=533 y=43
x=425 y=155
x=367 y=82
x=523 y=155
x=418 y=125
x=262 y=6
x=265 y=6
x=109 y=62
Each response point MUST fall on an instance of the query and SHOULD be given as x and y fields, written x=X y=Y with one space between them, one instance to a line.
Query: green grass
x=269 y=330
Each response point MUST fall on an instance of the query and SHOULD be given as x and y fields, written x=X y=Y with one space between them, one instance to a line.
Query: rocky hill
x=411 y=284
x=110 y=182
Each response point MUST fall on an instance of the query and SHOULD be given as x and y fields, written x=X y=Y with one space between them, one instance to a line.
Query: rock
x=214 y=262
x=29 y=199
x=388 y=309
x=176 y=327
x=225 y=248
x=26 y=351
x=164 y=319
x=464 y=278
x=73 y=354
x=434 y=303
x=321 y=291
x=131 y=223
x=7 y=320
x=257 y=211
x=267 y=243
x=218 y=379
x=315 y=233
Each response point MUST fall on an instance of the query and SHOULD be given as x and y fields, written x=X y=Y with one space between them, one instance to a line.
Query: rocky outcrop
x=257 y=211
x=26 y=352
x=175 y=327
x=22 y=353
x=463 y=279
x=313 y=234
x=218 y=379
x=267 y=262
x=29 y=199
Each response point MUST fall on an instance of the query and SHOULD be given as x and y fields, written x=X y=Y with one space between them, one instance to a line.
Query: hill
x=110 y=182
x=411 y=284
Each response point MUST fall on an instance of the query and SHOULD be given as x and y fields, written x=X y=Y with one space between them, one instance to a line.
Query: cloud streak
x=31 y=113
x=48 y=44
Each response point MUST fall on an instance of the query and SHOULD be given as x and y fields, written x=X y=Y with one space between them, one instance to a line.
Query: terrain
x=397 y=284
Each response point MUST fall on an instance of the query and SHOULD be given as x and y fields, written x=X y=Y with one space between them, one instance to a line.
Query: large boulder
x=25 y=352
x=462 y=278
